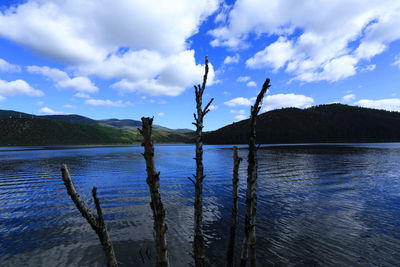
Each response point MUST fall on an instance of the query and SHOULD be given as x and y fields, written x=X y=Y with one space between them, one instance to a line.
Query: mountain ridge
x=317 y=124
x=127 y=124
x=323 y=123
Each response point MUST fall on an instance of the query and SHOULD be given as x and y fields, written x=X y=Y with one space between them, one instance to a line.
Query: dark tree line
x=153 y=178
x=324 y=123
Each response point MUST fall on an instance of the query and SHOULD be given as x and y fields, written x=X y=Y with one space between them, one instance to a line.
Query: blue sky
x=128 y=59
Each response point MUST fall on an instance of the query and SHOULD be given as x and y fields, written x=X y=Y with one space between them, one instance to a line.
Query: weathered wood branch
x=249 y=243
x=198 y=244
x=192 y=181
x=97 y=224
x=205 y=76
x=206 y=110
x=235 y=208
x=153 y=177
x=98 y=208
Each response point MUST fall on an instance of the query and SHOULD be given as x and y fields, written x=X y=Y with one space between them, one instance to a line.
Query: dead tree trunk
x=249 y=242
x=97 y=224
x=198 y=245
x=153 y=178
x=234 y=220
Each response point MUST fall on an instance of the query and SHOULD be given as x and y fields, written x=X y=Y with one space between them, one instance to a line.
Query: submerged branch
x=153 y=177
x=234 y=220
x=198 y=244
x=97 y=224
x=249 y=243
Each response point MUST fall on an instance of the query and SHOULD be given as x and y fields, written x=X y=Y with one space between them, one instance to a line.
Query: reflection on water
x=317 y=204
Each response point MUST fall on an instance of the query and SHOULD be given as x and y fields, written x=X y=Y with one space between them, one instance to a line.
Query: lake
x=318 y=205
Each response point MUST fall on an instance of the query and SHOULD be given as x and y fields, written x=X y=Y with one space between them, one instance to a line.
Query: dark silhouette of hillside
x=324 y=123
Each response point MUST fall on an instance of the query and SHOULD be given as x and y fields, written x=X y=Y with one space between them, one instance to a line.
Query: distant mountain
x=123 y=124
x=39 y=131
x=126 y=124
x=324 y=123
x=14 y=114
x=184 y=130
x=18 y=128
x=71 y=118
x=133 y=124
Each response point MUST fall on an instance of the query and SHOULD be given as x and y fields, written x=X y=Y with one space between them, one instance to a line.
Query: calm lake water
x=323 y=205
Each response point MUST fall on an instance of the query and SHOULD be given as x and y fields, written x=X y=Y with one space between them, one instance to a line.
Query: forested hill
x=125 y=124
x=324 y=123
x=39 y=131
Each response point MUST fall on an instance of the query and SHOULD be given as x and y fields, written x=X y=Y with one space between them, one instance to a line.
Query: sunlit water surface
x=323 y=205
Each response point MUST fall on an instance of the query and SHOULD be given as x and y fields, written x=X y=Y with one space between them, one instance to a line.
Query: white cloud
x=161 y=114
x=397 y=61
x=275 y=55
x=336 y=69
x=80 y=84
x=391 y=104
x=348 y=98
x=82 y=95
x=240 y=117
x=243 y=79
x=107 y=103
x=69 y=106
x=18 y=87
x=240 y=111
x=5 y=66
x=213 y=107
x=144 y=44
x=222 y=14
x=238 y=101
x=370 y=67
x=285 y=101
x=232 y=59
x=227 y=93
x=333 y=35
x=49 y=111
x=2 y=98
x=152 y=73
x=251 y=84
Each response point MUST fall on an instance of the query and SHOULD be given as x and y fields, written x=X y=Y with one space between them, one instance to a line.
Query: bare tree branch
x=206 y=110
x=160 y=227
x=198 y=244
x=234 y=220
x=97 y=224
x=205 y=76
x=258 y=147
x=249 y=242
x=192 y=181
x=98 y=208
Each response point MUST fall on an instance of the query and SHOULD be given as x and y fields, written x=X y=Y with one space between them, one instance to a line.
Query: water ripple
x=318 y=205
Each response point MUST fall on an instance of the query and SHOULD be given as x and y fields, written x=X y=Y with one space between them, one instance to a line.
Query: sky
x=128 y=59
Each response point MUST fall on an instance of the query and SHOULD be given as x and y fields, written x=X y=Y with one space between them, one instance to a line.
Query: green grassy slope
x=126 y=124
x=37 y=131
